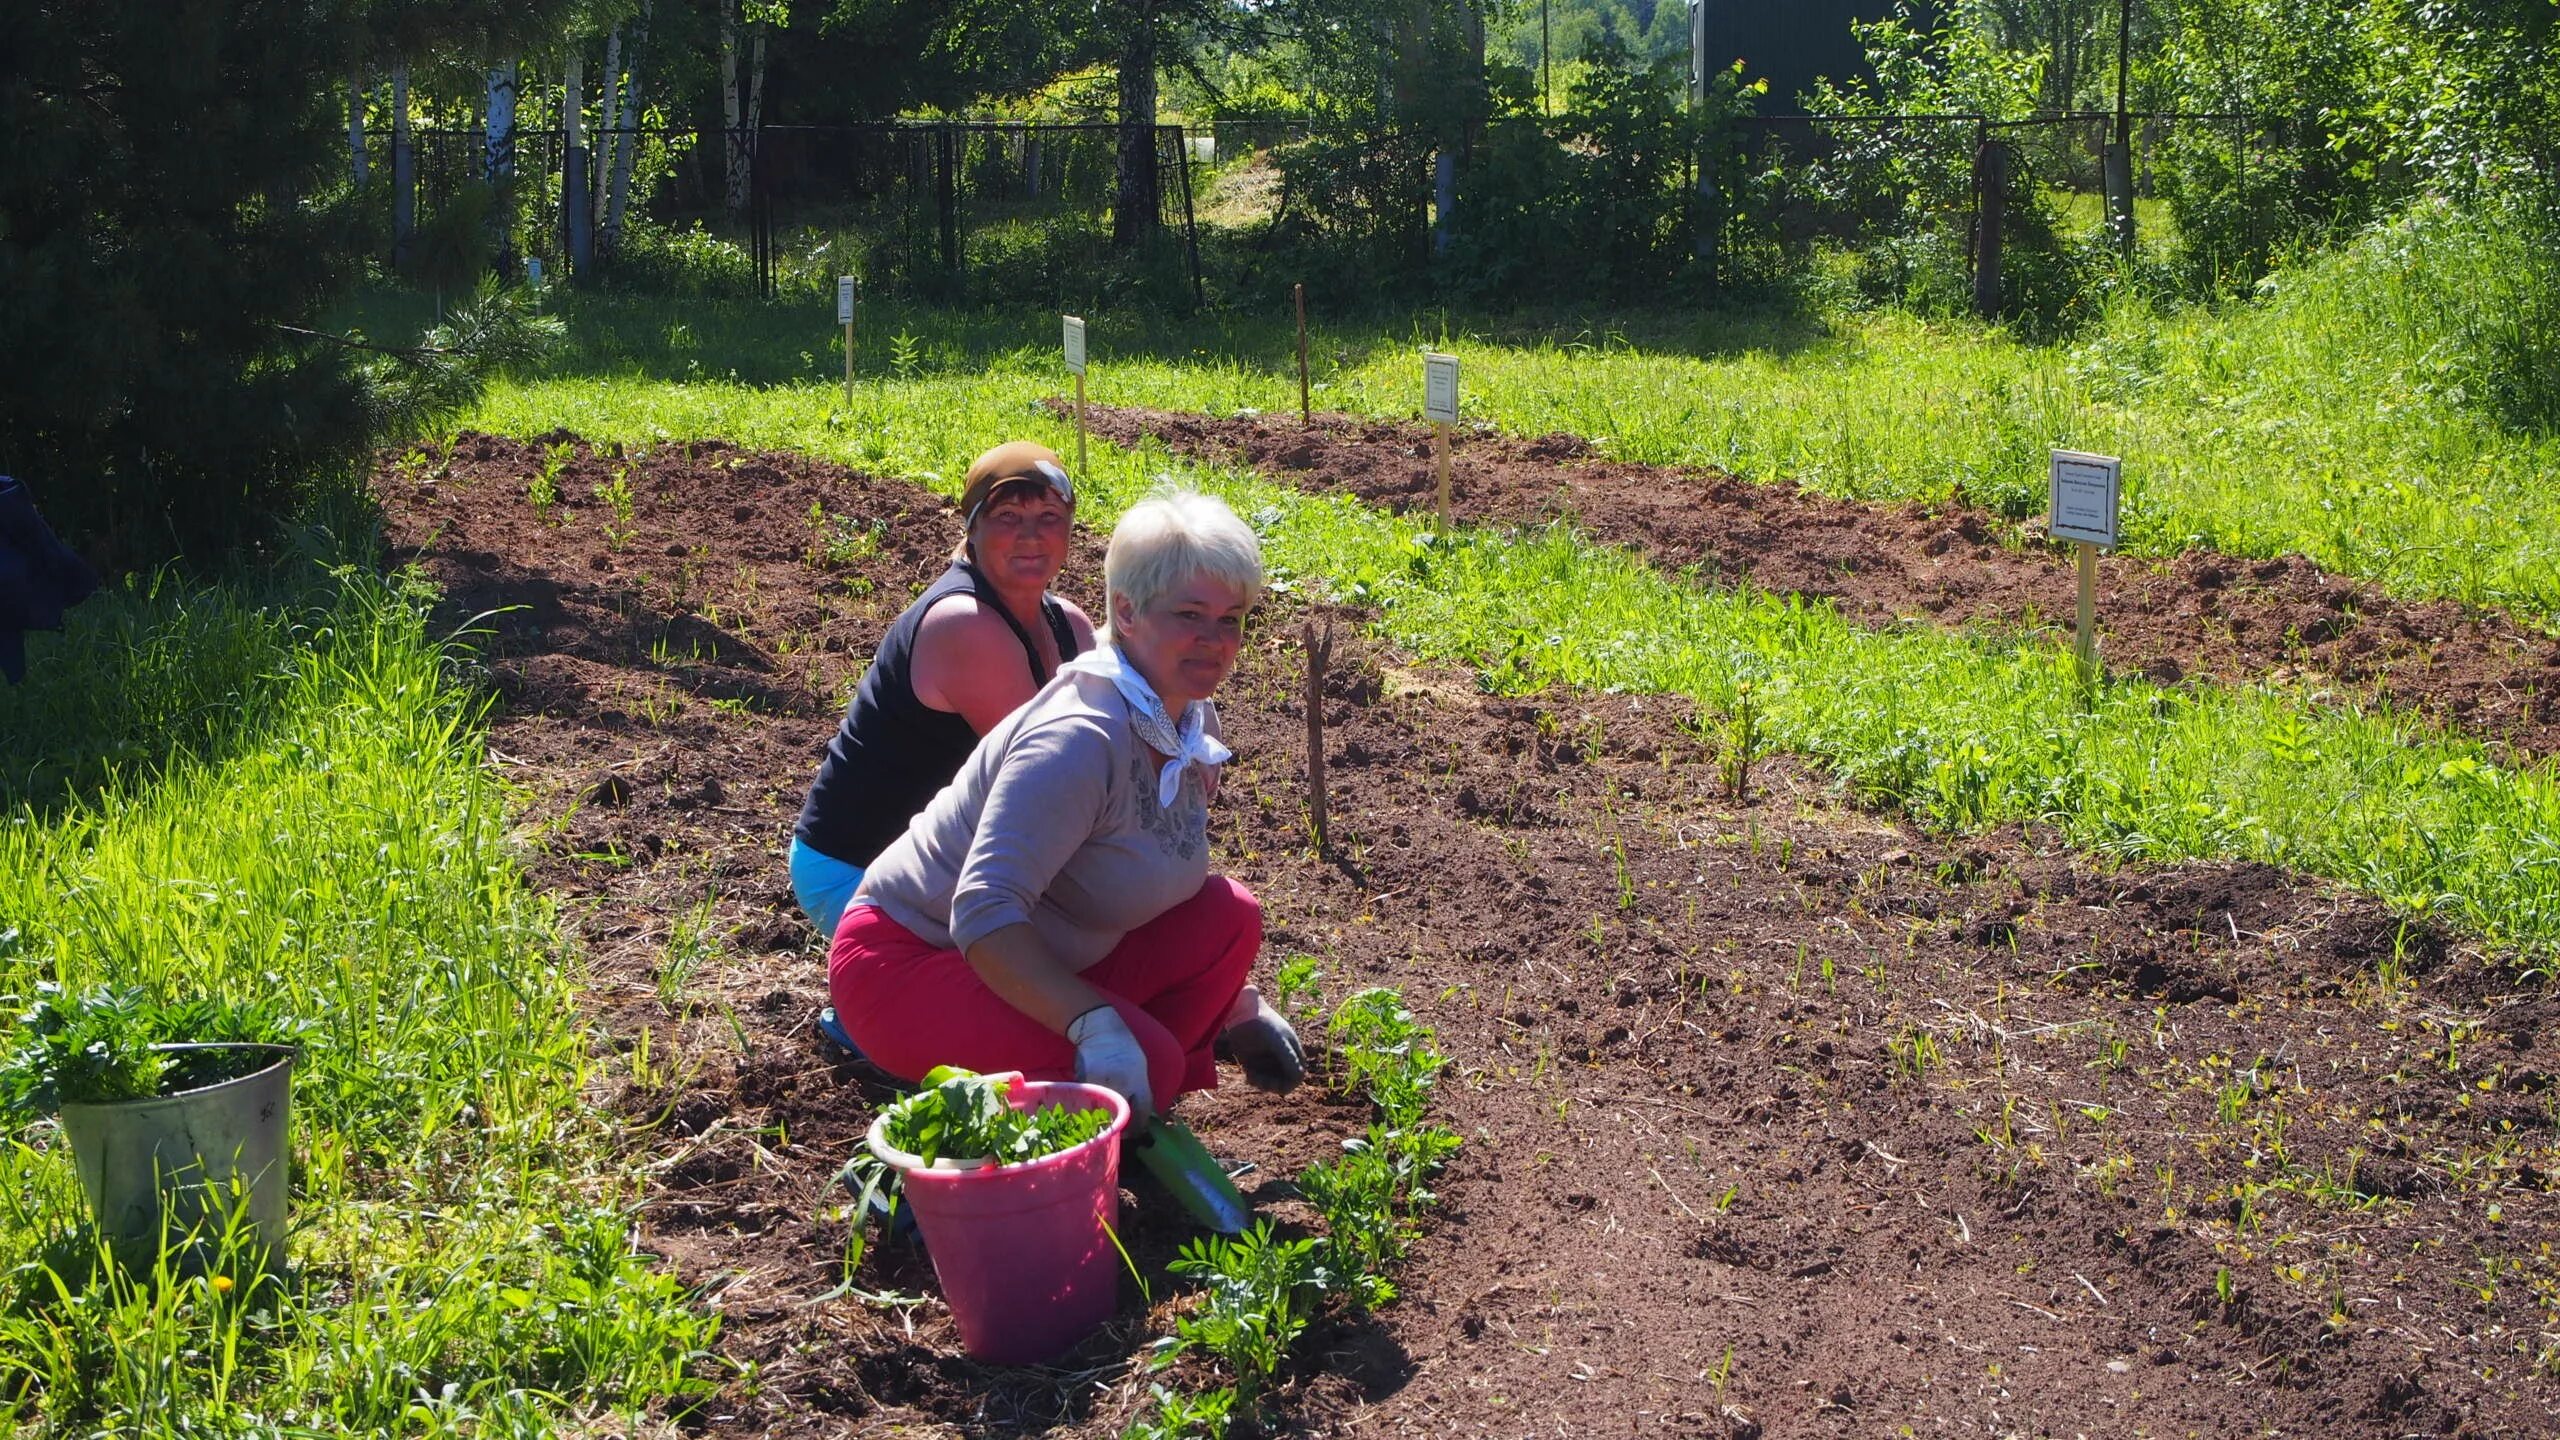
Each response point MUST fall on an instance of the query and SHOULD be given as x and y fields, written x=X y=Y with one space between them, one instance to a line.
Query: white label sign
x=2084 y=497
x=844 y=299
x=1075 y=345
x=533 y=270
x=1439 y=386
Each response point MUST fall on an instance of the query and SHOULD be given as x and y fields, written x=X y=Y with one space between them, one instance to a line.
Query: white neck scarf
x=1189 y=742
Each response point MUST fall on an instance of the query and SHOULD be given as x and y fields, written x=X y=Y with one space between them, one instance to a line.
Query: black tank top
x=894 y=752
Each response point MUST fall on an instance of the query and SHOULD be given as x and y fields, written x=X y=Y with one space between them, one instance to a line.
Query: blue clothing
x=894 y=752
x=822 y=884
x=39 y=577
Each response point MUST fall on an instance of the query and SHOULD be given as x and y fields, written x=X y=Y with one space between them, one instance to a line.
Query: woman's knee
x=1232 y=911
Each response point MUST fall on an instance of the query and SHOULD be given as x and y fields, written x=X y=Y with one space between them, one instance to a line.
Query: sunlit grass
x=306 y=816
x=1960 y=731
x=2343 y=416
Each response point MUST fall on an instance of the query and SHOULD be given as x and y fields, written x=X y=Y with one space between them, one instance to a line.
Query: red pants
x=910 y=1006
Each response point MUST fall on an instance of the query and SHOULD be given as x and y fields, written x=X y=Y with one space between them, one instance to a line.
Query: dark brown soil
x=1781 y=1118
x=2201 y=614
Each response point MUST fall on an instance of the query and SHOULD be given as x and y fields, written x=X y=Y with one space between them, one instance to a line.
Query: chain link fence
x=934 y=209
x=1942 y=212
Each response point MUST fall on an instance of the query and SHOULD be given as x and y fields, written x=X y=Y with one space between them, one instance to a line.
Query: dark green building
x=1789 y=42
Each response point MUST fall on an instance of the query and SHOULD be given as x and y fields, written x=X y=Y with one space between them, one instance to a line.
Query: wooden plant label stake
x=1306 y=415
x=2084 y=502
x=1319 y=650
x=845 y=295
x=1440 y=406
x=1074 y=331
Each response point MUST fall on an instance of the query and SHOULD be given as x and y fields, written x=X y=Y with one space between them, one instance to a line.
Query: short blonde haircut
x=1170 y=537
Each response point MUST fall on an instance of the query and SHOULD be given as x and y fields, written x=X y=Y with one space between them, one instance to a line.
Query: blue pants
x=822 y=884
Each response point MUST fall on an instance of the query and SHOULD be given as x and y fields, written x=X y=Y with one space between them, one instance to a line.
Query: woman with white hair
x=1051 y=910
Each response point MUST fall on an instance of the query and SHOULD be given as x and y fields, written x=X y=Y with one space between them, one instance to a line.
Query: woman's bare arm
x=1022 y=972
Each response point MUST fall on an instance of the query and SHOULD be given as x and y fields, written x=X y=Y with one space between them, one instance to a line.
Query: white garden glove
x=1264 y=1043
x=1108 y=1055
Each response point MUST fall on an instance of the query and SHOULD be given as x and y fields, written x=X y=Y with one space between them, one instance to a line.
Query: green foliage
x=1293 y=985
x=498 y=329
x=1258 y=1293
x=264 y=787
x=1177 y=1416
x=1353 y=208
x=99 y=1048
x=683 y=260
x=1384 y=1051
x=963 y=1114
x=2247 y=193
x=1902 y=194
x=1592 y=200
x=176 y=223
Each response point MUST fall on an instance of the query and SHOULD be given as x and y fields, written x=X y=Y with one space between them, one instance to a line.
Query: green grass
x=1961 y=731
x=270 y=786
x=2354 y=414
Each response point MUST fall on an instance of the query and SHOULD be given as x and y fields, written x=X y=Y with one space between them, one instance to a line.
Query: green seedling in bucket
x=1014 y=1185
x=176 y=1113
x=961 y=1115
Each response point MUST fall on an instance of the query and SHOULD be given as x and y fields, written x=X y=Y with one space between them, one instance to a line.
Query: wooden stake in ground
x=1440 y=407
x=1306 y=414
x=1319 y=650
x=845 y=293
x=2085 y=647
x=1074 y=329
x=2084 y=500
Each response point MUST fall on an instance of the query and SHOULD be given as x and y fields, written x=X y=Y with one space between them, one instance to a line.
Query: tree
x=174 y=215
x=742 y=97
x=1014 y=46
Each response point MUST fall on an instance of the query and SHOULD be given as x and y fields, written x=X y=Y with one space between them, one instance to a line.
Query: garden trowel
x=1184 y=1166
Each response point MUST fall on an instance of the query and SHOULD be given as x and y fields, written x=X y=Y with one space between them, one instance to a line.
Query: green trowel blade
x=1176 y=1157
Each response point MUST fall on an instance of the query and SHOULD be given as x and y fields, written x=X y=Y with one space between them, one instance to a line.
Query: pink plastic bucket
x=1024 y=1252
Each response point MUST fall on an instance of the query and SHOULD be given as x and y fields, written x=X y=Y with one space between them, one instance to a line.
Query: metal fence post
x=1190 y=226
x=946 y=194
x=404 y=169
x=576 y=212
x=1990 y=201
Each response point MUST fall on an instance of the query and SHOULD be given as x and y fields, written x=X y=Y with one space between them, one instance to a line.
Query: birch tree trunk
x=618 y=187
x=733 y=167
x=609 y=120
x=755 y=98
x=498 y=148
x=576 y=232
x=498 y=163
x=355 y=128
x=404 y=169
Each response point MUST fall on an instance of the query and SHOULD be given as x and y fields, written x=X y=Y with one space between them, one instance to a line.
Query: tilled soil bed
x=2200 y=614
x=1781 y=1118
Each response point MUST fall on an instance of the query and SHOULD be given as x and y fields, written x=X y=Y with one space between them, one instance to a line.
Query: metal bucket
x=176 y=1169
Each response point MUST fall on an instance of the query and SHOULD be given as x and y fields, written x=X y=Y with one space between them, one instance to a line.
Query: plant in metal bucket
x=107 y=1046
x=174 y=1158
